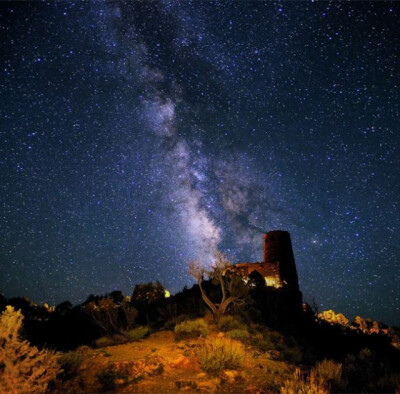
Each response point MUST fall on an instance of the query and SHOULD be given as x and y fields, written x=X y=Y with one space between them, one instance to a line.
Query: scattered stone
x=209 y=385
x=185 y=385
x=231 y=375
x=253 y=389
x=183 y=362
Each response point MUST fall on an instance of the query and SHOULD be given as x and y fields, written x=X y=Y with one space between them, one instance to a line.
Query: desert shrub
x=108 y=376
x=288 y=347
x=367 y=372
x=110 y=340
x=264 y=339
x=261 y=342
x=241 y=335
x=69 y=380
x=191 y=329
x=331 y=373
x=23 y=368
x=301 y=384
x=275 y=337
x=83 y=349
x=122 y=375
x=273 y=376
x=171 y=323
x=388 y=383
x=228 y=323
x=70 y=363
x=292 y=354
x=138 y=333
x=104 y=341
x=217 y=354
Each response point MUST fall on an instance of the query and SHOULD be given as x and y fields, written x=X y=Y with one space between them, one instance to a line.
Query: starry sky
x=136 y=136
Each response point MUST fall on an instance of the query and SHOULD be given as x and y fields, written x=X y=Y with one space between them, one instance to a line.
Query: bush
x=241 y=335
x=138 y=333
x=70 y=363
x=217 y=354
x=263 y=339
x=367 y=372
x=273 y=376
x=388 y=383
x=261 y=342
x=229 y=323
x=289 y=348
x=110 y=340
x=171 y=323
x=191 y=329
x=292 y=354
x=299 y=384
x=108 y=376
x=330 y=372
x=134 y=335
x=23 y=368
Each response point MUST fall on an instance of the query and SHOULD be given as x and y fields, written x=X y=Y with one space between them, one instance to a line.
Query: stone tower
x=278 y=252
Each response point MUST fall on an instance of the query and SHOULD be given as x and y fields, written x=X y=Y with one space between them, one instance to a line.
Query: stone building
x=278 y=267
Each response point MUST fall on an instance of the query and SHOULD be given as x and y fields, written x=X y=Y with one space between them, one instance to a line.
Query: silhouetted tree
x=232 y=287
x=106 y=314
x=146 y=298
x=64 y=307
x=116 y=296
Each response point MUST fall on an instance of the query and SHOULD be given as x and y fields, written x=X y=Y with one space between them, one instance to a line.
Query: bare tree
x=233 y=288
x=105 y=314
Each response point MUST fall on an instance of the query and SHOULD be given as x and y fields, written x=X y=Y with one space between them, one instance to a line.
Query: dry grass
x=217 y=354
x=191 y=329
x=229 y=323
x=138 y=333
x=239 y=335
x=330 y=372
x=300 y=384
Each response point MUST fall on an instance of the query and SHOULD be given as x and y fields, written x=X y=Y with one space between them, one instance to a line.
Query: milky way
x=136 y=136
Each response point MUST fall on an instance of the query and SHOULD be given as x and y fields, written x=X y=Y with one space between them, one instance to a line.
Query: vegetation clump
x=261 y=342
x=228 y=323
x=325 y=377
x=191 y=329
x=239 y=334
x=23 y=368
x=217 y=354
x=138 y=333
x=108 y=376
x=299 y=383
x=365 y=372
x=111 y=340
x=70 y=363
x=331 y=373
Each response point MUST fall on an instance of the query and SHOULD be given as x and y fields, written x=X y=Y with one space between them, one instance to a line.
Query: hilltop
x=154 y=342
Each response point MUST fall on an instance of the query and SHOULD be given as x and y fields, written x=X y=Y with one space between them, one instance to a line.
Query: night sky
x=136 y=136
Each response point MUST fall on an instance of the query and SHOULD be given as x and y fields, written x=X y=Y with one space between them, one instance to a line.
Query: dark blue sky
x=136 y=136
